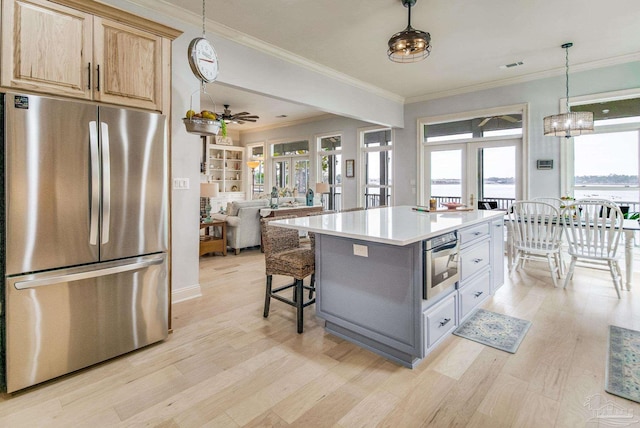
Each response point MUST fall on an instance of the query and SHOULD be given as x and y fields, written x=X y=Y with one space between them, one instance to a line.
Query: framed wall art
x=349 y=168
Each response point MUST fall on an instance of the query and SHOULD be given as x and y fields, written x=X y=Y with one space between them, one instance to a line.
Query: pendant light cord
x=567 y=75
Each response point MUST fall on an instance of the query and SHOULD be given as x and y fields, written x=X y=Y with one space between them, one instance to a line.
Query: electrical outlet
x=360 y=250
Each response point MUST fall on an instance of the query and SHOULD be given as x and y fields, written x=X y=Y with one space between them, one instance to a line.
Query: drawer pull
x=444 y=322
x=478 y=293
x=477 y=233
x=476 y=261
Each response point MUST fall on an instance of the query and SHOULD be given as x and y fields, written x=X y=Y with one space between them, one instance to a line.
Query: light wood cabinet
x=86 y=50
x=128 y=65
x=46 y=48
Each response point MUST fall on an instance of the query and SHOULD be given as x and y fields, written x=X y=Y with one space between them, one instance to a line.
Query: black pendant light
x=568 y=124
x=409 y=45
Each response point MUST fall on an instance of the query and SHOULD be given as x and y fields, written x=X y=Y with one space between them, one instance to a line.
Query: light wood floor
x=226 y=366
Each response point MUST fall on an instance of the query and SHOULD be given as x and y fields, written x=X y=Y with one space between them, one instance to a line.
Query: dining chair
x=535 y=232
x=556 y=202
x=593 y=228
x=284 y=256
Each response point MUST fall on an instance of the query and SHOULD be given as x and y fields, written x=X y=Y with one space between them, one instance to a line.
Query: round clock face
x=203 y=59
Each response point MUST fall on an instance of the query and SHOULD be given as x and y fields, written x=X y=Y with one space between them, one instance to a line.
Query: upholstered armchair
x=243 y=223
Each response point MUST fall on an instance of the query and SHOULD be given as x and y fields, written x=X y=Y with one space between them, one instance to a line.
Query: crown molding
x=526 y=78
x=170 y=10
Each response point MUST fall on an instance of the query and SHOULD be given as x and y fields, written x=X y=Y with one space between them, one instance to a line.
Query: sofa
x=243 y=220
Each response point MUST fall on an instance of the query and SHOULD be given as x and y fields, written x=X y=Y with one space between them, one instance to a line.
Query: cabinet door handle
x=478 y=293
x=98 y=84
x=444 y=322
x=89 y=77
x=477 y=260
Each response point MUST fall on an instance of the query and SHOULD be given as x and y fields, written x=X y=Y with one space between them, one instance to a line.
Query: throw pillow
x=230 y=209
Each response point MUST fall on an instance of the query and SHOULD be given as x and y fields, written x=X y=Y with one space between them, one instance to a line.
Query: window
x=256 y=175
x=482 y=126
x=484 y=170
x=330 y=169
x=472 y=157
x=376 y=155
x=291 y=166
x=606 y=164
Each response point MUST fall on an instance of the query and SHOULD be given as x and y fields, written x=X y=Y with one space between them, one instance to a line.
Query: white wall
x=543 y=97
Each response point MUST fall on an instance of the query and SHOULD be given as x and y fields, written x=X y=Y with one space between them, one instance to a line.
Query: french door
x=472 y=171
x=291 y=173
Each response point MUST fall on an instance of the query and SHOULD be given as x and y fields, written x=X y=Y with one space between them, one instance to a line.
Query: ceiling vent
x=513 y=64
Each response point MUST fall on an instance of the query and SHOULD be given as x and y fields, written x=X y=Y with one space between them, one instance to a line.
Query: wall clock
x=203 y=59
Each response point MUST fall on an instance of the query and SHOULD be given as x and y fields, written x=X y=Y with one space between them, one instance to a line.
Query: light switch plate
x=180 y=183
x=360 y=250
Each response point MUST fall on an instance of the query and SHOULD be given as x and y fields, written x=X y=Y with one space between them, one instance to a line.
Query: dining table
x=629 y=229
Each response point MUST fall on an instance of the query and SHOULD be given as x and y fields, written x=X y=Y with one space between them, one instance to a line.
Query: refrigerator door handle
x=27 y=284
x=94 y=198
x=106 y=183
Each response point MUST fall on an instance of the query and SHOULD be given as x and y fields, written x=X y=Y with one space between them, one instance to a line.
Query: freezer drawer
x=64 y=320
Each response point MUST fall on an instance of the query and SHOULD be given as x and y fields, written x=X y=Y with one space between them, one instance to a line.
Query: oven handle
x=445 y=247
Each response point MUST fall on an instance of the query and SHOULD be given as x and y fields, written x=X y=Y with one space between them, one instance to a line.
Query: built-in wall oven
x=440 y=264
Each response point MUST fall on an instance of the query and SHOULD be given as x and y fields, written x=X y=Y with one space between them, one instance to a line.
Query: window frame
x=423 y=182
x=319 y=154
x=567 y=151
x=360 y=172
x=289 y=159
x=263 y=163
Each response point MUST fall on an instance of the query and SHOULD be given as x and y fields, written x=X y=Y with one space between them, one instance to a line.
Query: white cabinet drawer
x=473 y=259
x=474 y=293
x=439 y=320
x=473 y=233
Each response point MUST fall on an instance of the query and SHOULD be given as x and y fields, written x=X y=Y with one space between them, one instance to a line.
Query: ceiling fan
x=240 y=118
x=507 y=118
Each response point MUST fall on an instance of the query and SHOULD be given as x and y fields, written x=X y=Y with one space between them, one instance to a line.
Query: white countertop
x=392 y=225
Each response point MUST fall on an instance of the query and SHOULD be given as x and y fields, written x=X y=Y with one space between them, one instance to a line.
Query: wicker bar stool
x=284 y=256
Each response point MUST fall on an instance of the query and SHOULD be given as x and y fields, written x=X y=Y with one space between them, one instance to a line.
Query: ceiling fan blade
x=241 y=113
x=247 y=117
x=484 y=121
x=509 y=119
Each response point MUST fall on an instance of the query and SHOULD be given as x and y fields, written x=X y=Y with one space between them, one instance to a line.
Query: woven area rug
x=623 y=363
x=496 y=330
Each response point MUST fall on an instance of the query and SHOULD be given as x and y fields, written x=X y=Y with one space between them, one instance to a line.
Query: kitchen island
x=370 y=274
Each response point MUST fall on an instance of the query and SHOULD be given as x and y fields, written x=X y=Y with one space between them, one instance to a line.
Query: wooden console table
x=209 y=243
x=298 y=211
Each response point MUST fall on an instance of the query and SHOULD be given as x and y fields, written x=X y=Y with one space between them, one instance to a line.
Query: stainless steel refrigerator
x=84 y=235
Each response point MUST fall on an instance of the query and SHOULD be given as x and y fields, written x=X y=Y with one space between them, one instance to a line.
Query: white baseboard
x=186 y=293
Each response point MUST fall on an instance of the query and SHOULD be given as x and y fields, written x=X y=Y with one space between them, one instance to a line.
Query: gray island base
x=370 y=272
